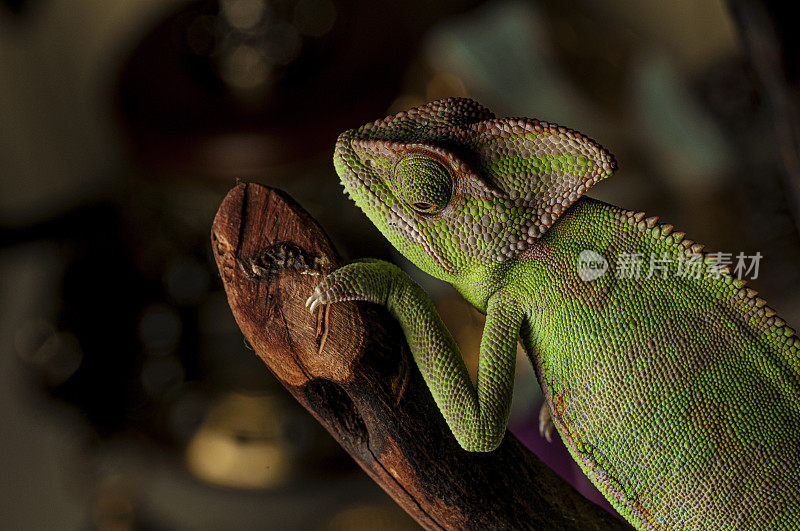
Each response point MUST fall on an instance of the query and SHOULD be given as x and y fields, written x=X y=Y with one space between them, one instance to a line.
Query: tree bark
x=349 y=365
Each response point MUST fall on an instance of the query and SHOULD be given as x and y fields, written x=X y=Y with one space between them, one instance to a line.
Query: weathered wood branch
x=350 y=367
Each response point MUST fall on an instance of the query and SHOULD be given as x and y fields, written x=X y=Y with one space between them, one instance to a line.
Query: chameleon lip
x=420 y=237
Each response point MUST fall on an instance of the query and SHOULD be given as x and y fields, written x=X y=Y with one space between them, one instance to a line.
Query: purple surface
x=556 y=456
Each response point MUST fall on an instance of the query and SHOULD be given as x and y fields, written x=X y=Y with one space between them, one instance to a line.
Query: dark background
x=128 y=398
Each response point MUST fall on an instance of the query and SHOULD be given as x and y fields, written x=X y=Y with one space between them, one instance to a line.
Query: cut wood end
x=271 y=254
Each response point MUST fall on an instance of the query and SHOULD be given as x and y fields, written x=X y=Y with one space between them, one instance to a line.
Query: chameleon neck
x=548 y=267
x=546 y=277
x=551 y=260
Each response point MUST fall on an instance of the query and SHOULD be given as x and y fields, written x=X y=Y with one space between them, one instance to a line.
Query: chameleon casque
x=679 y=397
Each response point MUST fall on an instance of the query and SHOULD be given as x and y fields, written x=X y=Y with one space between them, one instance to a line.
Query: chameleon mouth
x=414 y=235
x=393 y=218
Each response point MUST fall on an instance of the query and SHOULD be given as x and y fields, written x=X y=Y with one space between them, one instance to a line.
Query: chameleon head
x=455 y=189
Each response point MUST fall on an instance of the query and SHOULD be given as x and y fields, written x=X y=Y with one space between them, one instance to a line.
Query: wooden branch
x=350 y=367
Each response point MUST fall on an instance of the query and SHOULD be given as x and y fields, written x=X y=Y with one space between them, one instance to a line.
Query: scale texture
x=678 y=395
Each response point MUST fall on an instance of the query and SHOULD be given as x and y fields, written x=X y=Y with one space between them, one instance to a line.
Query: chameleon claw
x=313 y=301
x=548 y=432
x=546 y=423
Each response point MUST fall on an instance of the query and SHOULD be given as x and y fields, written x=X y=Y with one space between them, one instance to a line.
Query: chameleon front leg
x=477 y=418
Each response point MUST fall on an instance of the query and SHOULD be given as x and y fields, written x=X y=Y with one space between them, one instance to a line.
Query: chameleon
x=677 y=394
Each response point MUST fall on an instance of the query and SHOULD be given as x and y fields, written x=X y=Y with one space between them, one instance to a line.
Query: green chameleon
x=677 y=391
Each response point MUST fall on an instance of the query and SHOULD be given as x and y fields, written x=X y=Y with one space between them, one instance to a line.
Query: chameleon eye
x=424 y=183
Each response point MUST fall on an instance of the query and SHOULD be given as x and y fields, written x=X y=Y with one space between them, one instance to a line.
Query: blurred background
x=128 y=398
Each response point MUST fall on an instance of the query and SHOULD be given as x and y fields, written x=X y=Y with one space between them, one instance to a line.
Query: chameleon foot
x=546 y=422
x=360 y=281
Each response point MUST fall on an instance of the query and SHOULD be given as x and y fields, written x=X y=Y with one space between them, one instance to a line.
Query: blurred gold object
x=385 y=517
x=113 y=508
x=241 y=444
x=445 y=85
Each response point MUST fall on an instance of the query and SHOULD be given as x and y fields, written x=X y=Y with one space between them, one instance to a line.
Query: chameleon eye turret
x=424 y=182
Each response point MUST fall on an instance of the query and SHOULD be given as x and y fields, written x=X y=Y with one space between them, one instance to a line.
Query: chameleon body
x=678 y=396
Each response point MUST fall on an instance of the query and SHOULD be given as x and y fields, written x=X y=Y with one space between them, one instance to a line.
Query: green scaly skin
x=679 y=397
